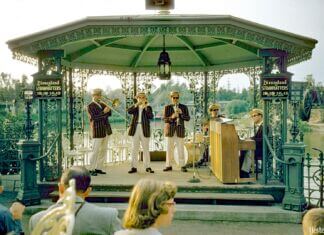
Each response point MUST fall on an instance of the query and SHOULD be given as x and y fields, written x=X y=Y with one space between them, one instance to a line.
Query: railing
x=118 y=149
x=313 y=179
x=9 y=162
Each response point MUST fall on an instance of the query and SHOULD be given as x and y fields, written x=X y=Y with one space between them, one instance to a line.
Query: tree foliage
x=237 y=106
x=10 y=88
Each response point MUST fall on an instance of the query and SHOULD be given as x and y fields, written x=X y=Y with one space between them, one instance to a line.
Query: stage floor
x=117 y=174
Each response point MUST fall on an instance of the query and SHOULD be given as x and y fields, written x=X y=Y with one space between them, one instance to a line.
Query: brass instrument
x=176 y=107
x=143 y=104
x=112 y=104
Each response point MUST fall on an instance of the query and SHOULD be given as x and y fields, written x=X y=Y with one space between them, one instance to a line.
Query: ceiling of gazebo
x=133 y=43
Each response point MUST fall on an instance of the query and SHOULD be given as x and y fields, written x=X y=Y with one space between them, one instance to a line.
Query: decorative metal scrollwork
x=144 y=82
x=314 y=179
x=158 y=140
x=127 y=83
x=196 y=86
x=274 y=168
x=213 y=80
x=317 y=177
x=50 y=125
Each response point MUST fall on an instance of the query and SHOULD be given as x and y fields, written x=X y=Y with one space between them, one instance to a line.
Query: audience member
x=10 y=220
x=89 y=218
x=151 y=206
x=313 y=222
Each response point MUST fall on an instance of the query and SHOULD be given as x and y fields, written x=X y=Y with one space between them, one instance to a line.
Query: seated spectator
x=89 y=218
x=10 y=220
x=151 y=206
x=313 y=222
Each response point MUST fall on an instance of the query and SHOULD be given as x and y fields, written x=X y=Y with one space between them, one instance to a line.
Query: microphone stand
x=194 y=179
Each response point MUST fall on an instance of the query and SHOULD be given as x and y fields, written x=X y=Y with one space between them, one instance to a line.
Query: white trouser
x=137 y=139
x=99 y=153
x=170 y=149
x=247 y=162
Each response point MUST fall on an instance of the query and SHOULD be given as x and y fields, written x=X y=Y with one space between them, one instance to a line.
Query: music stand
x=194 y=179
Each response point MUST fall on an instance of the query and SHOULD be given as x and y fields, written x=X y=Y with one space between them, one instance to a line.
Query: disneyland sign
x=275 y=87
x=48 y=86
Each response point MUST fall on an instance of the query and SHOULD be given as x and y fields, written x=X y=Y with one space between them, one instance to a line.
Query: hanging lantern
x=164 y=64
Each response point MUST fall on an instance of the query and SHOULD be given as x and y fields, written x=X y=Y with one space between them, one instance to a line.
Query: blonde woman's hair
x=313 y=222
x=147 y=202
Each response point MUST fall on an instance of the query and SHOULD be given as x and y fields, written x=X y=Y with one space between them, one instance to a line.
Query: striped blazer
x=99 y=120
x=171 y=126
x=147 y=114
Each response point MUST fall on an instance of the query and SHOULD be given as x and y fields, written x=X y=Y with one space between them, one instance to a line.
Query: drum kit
x=193 y=150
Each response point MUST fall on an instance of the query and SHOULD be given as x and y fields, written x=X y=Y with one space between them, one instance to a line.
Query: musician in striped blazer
x=140 y=131
x=174 y=129
x=98 y=113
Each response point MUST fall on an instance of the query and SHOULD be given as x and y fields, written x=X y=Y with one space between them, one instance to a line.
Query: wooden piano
x=225 y=147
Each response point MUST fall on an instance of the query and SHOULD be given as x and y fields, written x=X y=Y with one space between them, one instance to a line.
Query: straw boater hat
x=96 y=91
x=256 y=111
x=140 y=94
x=173 y=93
x=214 y=106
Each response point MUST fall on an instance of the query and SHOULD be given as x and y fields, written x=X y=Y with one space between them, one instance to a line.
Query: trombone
x=112 y=104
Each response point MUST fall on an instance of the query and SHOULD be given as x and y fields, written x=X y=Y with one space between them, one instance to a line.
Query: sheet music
x=225 y=120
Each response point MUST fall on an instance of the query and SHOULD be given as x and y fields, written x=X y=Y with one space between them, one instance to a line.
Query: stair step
x=182 y=197
x=238 y=213
x=234 y=213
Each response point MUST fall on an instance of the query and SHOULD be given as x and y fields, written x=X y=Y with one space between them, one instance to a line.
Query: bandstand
x=202 y=48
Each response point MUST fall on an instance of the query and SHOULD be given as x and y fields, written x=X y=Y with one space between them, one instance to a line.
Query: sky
x=304 y=17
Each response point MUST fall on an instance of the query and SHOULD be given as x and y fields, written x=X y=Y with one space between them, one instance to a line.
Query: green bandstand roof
x=133 y=43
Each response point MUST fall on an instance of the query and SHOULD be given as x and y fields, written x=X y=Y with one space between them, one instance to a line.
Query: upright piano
x=225 y=147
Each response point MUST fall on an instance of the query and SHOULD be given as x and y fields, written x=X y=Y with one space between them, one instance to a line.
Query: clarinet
x=175 y=107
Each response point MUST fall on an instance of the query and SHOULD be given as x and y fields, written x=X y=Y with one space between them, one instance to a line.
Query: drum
x=199 y=138
x=191 y=152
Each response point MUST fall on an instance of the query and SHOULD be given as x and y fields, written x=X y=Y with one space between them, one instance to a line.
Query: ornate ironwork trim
x=297 y=53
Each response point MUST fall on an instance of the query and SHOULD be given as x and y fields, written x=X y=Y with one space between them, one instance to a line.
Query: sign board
x=48 y=87
x=275 y=86
x=297 y=90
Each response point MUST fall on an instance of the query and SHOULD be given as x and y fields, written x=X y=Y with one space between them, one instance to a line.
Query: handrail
x=273 y=153
x=320 y=151
x=50 y=149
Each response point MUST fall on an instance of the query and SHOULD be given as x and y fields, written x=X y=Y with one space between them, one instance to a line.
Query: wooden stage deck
x=118 y=180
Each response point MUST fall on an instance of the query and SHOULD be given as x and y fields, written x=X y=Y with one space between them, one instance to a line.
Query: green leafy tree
x=161 y=96
x=236 y=106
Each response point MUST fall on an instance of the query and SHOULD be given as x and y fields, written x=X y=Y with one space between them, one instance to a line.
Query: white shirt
x=257 y=126
x=140 y=110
